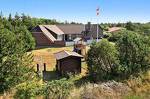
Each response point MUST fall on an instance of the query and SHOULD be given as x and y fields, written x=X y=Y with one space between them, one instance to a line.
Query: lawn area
x=46 y=55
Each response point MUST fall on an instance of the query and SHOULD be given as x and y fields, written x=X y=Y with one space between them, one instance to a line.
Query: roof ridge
x=67 y=52
x=58 y=51
x=47 y=33
x=64 y=54
x=54 y=28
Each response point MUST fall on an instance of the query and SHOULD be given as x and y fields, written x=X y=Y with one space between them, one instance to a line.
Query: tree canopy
x=129 y=56
x=134 y=50
x=102 y=59
x=15 y=63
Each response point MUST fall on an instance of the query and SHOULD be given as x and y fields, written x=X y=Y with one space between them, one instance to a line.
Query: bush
x=102 y=60
x=147 y=32
x=28 y=90
x=134 y=52
x=115 y=36
x=57 y=89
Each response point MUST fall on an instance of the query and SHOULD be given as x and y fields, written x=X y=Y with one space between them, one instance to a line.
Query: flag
x=97 y=11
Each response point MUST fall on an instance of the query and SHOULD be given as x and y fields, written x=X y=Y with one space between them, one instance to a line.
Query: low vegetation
x=28 y=89
x=56 y=89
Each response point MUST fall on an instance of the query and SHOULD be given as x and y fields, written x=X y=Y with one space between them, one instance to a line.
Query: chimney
x=89 y=26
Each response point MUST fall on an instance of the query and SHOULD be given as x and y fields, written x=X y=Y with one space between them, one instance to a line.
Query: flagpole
x=97 y=14
x=97 y=29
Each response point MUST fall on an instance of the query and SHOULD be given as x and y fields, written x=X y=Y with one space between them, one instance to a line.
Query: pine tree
x=14 y=61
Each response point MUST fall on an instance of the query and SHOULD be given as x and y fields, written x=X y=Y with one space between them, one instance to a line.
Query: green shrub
x=102 y=60
x=57 y=89
x=28 y=90
x=115 y=36
x=134 y=50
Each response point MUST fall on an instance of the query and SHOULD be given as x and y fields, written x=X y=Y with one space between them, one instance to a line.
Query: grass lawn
x=46 y=55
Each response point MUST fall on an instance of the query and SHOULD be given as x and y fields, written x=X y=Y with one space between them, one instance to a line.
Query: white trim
x=69 y=43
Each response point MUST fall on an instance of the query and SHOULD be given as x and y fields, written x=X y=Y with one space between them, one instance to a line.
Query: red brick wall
x=41 y=39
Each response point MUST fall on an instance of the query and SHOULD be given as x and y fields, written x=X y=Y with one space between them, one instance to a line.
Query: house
x=64 y=34
x=68 y=62
x=114 y=29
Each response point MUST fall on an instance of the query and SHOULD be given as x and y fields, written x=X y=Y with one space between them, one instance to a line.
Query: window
x=70 y=37
x=59 y=37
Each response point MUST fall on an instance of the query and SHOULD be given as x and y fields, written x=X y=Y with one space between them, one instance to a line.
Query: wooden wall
x=70 y=64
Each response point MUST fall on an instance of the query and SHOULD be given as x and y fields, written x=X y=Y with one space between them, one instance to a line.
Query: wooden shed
x=68 y=62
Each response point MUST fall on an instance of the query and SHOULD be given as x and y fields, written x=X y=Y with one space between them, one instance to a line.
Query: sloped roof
x=114 y=29
x=65 y=29
x=64 y=54
x=55 y=29
x=71 y=28
x=47 y=33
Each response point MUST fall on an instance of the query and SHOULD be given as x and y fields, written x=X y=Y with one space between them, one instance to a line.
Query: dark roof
x=71 y=28
x=64 y=54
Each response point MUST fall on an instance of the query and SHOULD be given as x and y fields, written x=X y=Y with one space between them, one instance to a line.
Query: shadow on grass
x=82 y=81
x=51 y=75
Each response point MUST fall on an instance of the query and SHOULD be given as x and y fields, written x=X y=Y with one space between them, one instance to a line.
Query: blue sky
x=81 y=10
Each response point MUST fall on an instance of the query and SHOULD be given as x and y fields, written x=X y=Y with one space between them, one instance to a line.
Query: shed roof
x=64 y=54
